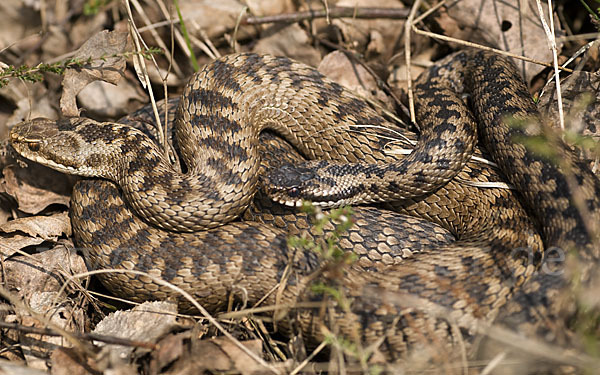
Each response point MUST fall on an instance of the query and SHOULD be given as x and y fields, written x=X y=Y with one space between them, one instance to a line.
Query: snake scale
x=468 y=249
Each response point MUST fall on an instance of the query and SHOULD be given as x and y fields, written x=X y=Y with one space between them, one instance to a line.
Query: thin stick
x=407 y=28
x=138 y=7
x=137 y=39
x=552 y=44
x=335 y=12
x=486 y=48
x=81 y=336
x=309 y=358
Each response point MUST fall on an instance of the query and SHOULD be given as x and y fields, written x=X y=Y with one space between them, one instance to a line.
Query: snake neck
x=211 y=192
x=446 y=143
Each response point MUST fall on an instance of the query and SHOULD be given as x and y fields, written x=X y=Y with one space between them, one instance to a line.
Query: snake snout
x=292 y=184
x=287 y=184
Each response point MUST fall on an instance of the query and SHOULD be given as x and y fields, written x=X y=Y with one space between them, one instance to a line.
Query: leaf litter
x=38 y=261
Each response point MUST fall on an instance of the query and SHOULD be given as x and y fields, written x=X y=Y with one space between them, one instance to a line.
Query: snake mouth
x=297 y=197
x=291 y=185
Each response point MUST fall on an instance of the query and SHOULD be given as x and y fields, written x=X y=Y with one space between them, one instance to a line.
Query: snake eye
x=33 y=146
x=293 y=192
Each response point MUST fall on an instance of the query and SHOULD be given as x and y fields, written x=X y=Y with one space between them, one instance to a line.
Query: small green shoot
x=327 y=229
x=35 y=73
x=93 y=7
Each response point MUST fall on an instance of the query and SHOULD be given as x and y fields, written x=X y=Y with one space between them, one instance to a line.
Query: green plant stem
x=186 y=36
x=590 y=11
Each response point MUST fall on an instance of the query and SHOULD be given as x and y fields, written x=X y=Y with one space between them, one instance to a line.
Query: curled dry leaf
x=20 y=233
x=36 y=187
x=221 y=354
x=146 y=322
x=100 y=55
x=48 y=228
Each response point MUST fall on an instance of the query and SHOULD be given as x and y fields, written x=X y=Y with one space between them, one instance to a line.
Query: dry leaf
x=42 y=107
x=36 y=187
x=352 y=75
x=11 y=244
x=37 y=348
x=48 y=228
x=16 y=368
x=146 y=322
x=169 y=349
x=101 y=99
x=203 y=14
x=104 y=64
x=41 y=272
x=269 y=7
x=222 y=355
x=289 y=41
x=511 y=25
x=17 y=22
x=374 y=35
x=67 y=361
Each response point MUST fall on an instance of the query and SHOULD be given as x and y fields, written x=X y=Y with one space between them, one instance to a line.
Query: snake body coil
x=468 y=265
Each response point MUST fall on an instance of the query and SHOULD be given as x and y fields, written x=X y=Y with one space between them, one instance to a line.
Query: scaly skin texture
x=495 y=249
x=224 y=108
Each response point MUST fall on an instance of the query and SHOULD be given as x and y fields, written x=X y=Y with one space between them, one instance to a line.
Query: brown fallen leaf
x=34 y=230
x=67 y=361
x=16 y=368
x=375 y=35
x=34 y=103
x=146 y=322
x=36 y=348
x=36 y=187
x=221 y=354
x=38 y=281
x=48 y=228
x=169 y=350
x=354 y=76
x=202 y=14
x=108 y=101
x=290 y=41
x=510 y=25
x=102 y=50
x=43 y=271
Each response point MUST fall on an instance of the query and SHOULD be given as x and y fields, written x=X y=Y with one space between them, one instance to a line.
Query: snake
x=452 y=244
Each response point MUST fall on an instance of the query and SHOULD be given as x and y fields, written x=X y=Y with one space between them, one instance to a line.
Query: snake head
x=310 y=181
x=55 y=144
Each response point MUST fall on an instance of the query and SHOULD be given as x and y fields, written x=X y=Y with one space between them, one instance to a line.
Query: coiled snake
x=471 y=241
